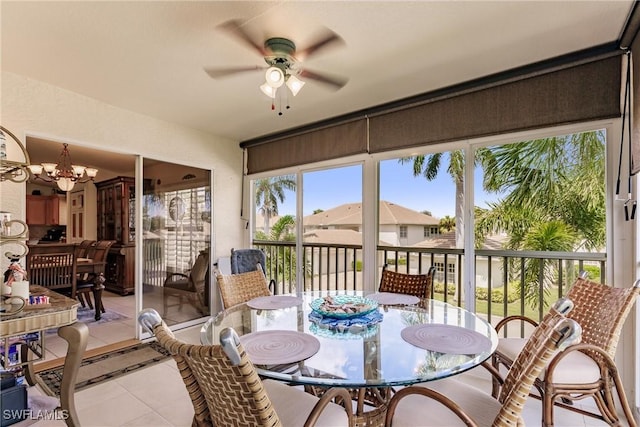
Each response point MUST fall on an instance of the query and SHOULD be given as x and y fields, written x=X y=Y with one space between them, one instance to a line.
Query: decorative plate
x=338 y=306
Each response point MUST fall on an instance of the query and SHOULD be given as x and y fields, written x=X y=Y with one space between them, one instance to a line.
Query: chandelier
x=64 y=173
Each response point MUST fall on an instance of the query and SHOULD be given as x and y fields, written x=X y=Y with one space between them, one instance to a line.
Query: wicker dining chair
x=239 y=288
x=419 y=285
x=226 y=390
x=454 y=402
x=588 y=369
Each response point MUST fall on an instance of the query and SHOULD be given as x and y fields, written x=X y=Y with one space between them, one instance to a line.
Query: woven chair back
x=222 y=394
x=556 y=313
x=601 y=311
x=529 y=365
x=239 y=288
x=418 y=285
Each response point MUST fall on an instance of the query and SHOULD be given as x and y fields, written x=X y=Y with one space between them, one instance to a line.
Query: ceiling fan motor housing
x=280 y=53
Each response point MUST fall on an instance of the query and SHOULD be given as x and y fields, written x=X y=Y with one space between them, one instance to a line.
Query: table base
x=371 y=403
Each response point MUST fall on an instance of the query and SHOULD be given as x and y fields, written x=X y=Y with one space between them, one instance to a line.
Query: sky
x=329 y=188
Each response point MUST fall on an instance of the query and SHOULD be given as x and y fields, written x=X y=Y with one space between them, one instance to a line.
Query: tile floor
x=155 y=396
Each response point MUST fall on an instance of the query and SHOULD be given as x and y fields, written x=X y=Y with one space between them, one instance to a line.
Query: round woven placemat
x=279 y=347
x=390 y=298
x=446 y=339
x=274 y=302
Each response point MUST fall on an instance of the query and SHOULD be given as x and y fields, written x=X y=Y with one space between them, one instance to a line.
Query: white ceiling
x=148 y=56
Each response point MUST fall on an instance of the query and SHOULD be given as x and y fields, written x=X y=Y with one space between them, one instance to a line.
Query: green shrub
x=593 y=271
x=358 y=265
x=497 y=295
x=438 y=288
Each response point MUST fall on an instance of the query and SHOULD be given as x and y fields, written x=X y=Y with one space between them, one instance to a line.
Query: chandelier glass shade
x=64 y=173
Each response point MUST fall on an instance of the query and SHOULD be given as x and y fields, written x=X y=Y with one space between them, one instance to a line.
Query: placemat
x=274 y=302
x=446 y=339
x=278 y=347
x=391 y=298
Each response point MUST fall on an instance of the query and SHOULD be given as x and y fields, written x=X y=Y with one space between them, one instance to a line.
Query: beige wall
x=30 y=107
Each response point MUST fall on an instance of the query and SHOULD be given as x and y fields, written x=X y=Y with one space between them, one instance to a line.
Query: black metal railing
x=506 y=282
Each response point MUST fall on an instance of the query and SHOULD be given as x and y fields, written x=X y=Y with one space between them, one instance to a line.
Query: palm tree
x=545 y=236
x=447 y=223
x=269 y=192
x=556 y=200
x=560 y=178
x=429 y=167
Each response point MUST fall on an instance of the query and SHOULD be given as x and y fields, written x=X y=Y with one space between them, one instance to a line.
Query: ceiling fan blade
x=335 y=81
x=217 y=73
x=234 y=28
x=327 y=38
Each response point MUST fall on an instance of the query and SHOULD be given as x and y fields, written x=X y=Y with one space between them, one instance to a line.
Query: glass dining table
x=391 y=345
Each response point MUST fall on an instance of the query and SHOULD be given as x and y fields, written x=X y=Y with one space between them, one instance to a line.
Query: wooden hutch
x=116 y=221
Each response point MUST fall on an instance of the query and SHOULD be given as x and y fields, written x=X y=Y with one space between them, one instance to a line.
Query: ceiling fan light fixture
x=268 y=90
x=294 y=84
x=274 y=77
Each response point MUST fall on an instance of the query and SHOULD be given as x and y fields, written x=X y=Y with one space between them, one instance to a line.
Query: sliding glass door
x=176 y=238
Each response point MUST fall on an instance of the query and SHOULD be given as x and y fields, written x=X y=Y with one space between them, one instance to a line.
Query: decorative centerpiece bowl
x=343 y=306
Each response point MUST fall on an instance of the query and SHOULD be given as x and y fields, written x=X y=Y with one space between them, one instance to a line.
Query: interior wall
x=30 y=107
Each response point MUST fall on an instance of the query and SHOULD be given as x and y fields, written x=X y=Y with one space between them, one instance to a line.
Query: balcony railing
x=533 y=280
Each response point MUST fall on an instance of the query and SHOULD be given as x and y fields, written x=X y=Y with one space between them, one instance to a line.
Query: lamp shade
x=268 y=90
x=274 y=77
x=66 y=184
x=294 y=84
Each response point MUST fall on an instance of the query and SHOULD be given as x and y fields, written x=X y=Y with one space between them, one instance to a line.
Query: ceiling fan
x=284 y=61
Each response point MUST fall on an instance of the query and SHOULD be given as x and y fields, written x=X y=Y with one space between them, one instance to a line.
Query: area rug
x=87 y=315
x=104 y=367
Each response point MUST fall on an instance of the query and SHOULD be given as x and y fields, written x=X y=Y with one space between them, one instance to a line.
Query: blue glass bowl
x=344 y=299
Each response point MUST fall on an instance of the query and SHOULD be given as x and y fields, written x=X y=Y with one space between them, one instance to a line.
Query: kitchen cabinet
x=116 y=220
x=46 y=210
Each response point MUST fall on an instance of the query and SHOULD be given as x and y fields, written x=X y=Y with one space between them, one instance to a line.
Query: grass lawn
x=497 y=308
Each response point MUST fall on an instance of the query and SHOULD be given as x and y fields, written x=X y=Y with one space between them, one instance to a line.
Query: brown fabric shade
x=546 y=95
x=585 y=92
x=635 y=107
x=326 y=143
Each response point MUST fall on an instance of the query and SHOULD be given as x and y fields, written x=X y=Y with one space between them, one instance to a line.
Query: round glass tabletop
x=385 y=347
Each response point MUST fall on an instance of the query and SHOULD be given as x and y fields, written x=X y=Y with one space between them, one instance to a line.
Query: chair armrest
x=272 y=285
x=501 y=324
x=432 y=394
x=337 y=394
x=493 y=371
